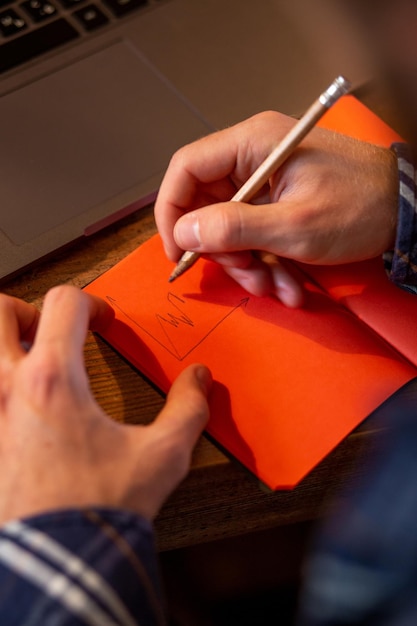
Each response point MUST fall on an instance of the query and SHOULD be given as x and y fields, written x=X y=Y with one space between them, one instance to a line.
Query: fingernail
x=204 y=377
x=187 y=232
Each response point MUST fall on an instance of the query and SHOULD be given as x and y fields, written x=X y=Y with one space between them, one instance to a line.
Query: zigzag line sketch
x=175 y=320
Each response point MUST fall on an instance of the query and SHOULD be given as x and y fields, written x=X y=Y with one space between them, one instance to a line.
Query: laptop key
x=39 y=9
x=91 y=17
x=35 y=42
x=11 y=23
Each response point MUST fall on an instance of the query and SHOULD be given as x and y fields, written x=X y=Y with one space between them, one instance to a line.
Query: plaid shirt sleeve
x=95 y=567
x=401 y=263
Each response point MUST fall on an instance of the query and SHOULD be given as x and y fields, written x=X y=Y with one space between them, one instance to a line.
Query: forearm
x=90 y=566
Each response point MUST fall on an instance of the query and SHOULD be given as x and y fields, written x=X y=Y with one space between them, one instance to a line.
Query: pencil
x=339 y=87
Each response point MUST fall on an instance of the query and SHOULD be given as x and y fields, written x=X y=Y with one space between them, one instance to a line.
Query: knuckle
x=176 y=159
x=179 y=160
x=60 y=292
x=228 y=229
x=44 y=378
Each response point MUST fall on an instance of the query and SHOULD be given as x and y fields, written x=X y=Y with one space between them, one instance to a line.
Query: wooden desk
x=218 y=499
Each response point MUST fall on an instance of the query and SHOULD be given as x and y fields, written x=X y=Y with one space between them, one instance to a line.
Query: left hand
x=57 y=446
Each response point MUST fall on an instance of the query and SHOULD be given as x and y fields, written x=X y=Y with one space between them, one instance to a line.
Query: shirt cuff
x=401 y=263
x=87 y=566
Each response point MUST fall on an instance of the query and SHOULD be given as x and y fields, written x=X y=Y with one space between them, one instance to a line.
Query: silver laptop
x=96 y=95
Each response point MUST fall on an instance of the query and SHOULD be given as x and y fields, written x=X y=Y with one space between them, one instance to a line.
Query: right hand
x=333 y=201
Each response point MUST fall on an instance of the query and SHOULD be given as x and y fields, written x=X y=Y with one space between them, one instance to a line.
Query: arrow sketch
x=170 y=325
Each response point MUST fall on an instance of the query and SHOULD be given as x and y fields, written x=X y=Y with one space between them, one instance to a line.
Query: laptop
x=96 y=95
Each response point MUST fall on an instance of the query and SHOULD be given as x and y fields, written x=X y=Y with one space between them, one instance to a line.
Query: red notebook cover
x=289 y=384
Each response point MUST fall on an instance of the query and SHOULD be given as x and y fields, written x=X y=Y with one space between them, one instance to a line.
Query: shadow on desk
x=246 y=580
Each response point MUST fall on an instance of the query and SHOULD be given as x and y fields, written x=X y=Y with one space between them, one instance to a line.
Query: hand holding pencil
x=317 y=204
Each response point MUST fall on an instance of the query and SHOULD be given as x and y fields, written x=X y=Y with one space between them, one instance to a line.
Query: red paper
x=289 y=384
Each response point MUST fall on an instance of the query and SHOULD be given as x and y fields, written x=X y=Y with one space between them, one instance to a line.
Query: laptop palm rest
x=90 y=166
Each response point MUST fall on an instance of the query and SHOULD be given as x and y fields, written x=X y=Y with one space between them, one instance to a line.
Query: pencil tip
x=174 y=274
x=186 y=261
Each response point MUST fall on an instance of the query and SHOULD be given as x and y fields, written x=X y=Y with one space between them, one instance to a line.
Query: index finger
x=212 y=169
x=67 y=314
x=18 y=321
x=197 y=175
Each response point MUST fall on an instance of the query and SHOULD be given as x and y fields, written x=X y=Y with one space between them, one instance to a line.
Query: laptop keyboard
x=33 y=27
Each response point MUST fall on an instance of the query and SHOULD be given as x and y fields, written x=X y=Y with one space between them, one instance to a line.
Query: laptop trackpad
x=77 y=138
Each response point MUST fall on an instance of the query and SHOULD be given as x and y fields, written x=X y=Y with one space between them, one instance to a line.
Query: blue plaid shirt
x=93 y=567
x=401 y=263
x=98 y=567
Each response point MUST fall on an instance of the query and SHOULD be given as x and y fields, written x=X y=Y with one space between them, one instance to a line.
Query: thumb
x=170 y=439
x=227 y=227
x=186 y=409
